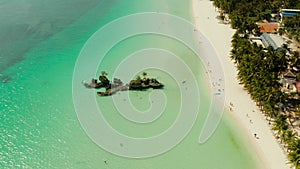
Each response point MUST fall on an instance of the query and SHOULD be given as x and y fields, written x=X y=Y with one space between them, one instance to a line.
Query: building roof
x=290 y=10
x=297 y=84
x=272 y=40
x=268 y=27
x=289 y=73
x=279 y=41
x=257 y=41
x=289 y=14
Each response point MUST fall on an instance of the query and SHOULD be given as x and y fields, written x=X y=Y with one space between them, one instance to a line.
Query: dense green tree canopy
x=245 y=13
x=259 y=69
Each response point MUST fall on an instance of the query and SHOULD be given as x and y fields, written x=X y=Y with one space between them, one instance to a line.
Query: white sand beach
x=243 y=109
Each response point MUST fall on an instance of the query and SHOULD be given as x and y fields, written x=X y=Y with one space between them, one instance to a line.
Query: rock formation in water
x=117 y=84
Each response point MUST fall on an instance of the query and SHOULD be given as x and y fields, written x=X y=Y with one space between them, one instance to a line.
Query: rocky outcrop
x=117 y=85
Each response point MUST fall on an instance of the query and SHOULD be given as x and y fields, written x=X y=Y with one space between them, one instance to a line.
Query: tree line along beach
x=264 y=47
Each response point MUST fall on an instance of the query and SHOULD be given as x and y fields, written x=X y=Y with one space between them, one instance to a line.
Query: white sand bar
x=244 y=110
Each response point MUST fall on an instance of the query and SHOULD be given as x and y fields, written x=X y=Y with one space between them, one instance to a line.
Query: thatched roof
x=289 y=73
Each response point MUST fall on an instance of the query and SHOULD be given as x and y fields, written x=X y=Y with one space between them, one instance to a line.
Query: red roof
x=268 y=27
x=297 y=84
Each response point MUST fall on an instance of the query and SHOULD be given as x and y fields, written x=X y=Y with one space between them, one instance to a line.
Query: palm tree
x=281 y=31
x=103 y=79
x=103 y=73
x=144 y=74
x=294 y=157
x=270 y=109
x=280 y=124
x=294 y=59
x=138 y=80
x=288 y=136
x=294 y=145
x=294 y=154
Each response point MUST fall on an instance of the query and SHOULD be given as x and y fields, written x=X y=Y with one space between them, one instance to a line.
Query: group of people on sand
x=230 y=106
x=255 y=135
x=231 y=109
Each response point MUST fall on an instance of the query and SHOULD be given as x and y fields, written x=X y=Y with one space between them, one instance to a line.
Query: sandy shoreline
x=244 y=110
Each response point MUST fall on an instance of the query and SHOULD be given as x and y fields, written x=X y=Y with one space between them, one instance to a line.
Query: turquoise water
x=39 y=126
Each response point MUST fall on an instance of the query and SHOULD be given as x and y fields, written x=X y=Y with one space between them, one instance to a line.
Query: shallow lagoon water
x=38 y=121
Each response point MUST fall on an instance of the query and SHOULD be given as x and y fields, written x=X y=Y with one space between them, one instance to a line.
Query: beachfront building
x=268 y=27
x=288 y=13
x=288 y=87
x=255 y=39
x=288 y=82
x=272 y=40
